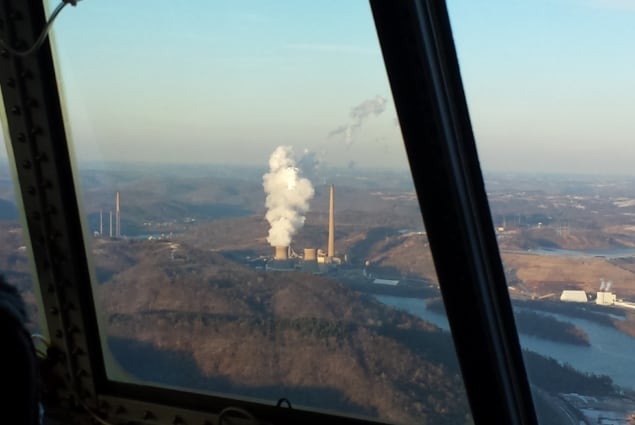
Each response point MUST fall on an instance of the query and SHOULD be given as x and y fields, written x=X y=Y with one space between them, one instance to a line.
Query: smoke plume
x=288 y=196
x=358 y=115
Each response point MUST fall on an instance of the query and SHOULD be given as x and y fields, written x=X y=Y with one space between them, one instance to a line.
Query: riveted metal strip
x=43 y=168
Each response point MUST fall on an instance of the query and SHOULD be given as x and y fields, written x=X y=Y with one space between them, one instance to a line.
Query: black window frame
x=421 y=62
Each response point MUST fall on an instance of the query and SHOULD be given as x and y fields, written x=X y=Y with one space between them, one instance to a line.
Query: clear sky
x=550 y=83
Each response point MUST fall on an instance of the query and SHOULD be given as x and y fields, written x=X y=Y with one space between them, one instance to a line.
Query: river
x=611 y=352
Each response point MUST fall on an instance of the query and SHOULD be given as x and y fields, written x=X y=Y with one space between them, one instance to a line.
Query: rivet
x=11 y=83
x=4 y=53
x=41 y=157
x=15 y=110
x=21 y=137
x=59 y=334
x=36 y=131
x=26 y=164
x=77 y=351
x=26 y=75
x=54 y=311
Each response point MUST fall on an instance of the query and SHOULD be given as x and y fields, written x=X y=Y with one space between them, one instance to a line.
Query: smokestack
x=330 y=251
x=110 y=231
x=101 y=222
x=282 y=253
x=117 y=216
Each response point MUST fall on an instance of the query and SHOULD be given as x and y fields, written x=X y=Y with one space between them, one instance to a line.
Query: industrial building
x=574 y=296
x=313 y=260
x=605 y=298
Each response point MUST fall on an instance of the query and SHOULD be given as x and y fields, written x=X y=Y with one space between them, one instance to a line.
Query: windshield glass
x=253 y=223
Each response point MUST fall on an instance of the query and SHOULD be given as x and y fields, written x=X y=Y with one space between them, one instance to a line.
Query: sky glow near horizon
x=550 y=83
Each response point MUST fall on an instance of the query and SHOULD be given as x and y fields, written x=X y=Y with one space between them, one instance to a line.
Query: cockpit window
x=550 y=90
x=254 y=229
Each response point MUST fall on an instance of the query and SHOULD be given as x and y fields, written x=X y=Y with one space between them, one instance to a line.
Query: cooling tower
x=310 y=254
x=282 y=253
x=330 y=251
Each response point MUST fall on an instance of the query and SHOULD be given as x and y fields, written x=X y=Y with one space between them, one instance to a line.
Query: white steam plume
x=288 y=196
x=358 y=115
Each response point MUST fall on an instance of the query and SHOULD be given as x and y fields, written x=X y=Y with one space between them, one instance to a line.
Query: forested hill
x=191 y=318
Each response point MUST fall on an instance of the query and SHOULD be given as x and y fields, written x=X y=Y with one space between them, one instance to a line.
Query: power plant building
x=310 y=254
x=574 y=296
x=281 y=253
x=312 y=260
x=605 y=298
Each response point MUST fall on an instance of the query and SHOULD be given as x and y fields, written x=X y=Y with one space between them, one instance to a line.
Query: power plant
x=116 y=231
x=313 y=259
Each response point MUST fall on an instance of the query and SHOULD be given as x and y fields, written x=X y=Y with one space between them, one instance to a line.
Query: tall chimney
x=330 y=251
x=110 y=230
x=117 y=216
x=101 y=222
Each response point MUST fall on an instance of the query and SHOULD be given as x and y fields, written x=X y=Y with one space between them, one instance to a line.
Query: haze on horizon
x=549 y=83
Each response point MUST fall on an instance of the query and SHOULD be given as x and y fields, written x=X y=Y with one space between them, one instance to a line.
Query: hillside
x=206 y=323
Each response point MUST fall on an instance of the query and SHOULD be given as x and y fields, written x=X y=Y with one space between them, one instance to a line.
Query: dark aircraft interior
x=65 y=380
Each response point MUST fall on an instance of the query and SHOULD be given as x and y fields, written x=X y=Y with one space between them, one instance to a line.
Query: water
x=611 y=352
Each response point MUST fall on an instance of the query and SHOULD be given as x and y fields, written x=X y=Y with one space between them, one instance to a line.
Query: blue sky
x=550 y=83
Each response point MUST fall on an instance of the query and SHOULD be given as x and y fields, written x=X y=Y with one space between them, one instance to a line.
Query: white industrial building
x=574 y=296
x=388 y=282
x=605 y=298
